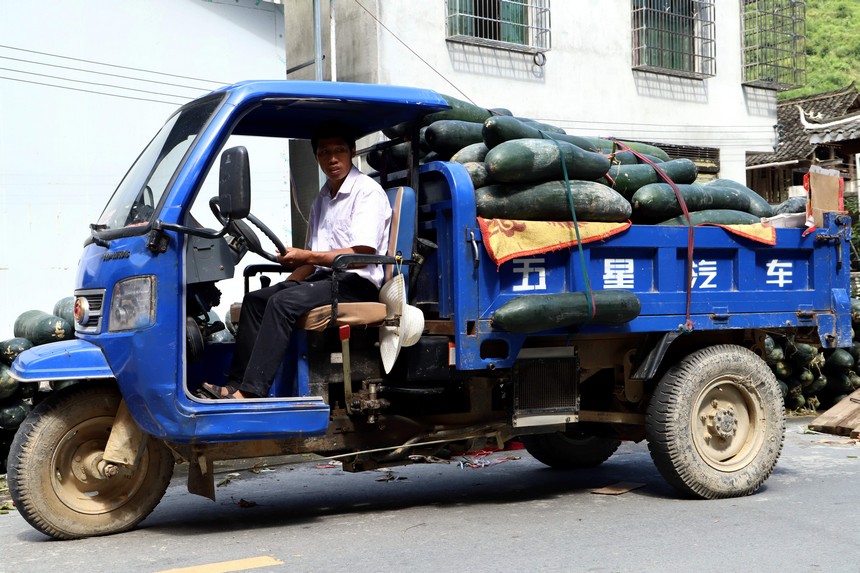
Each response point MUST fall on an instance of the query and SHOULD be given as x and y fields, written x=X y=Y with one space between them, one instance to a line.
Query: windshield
x=134 y=201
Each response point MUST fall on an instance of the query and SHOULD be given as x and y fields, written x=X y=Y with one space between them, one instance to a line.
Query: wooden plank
x=618 y=488
x=841 y=419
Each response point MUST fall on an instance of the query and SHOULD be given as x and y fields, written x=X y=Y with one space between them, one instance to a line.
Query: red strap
x=688 y=323
x=610 y=179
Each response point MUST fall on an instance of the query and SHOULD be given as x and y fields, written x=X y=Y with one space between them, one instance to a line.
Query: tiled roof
x=834 y=130
x=794 y=139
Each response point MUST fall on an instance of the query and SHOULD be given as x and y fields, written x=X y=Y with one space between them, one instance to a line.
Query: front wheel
x=57 y=477
x=715 y=424
x=570 y=450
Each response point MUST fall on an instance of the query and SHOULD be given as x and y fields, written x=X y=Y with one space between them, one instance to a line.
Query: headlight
x=133 y=304
x=82 y=310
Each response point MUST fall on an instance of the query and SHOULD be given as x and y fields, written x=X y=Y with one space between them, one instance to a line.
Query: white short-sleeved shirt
x=358 y=215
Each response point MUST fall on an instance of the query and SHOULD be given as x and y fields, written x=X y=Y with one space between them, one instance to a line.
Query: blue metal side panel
x=149 y=364
x=467 y=257
x=736 y=282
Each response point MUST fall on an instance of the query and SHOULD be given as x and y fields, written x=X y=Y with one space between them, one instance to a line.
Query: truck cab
x=362 y=385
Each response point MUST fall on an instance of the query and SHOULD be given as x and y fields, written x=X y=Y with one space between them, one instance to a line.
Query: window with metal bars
x=517 y=25
x=707 y=159
x=674 y=37
x=774 y=43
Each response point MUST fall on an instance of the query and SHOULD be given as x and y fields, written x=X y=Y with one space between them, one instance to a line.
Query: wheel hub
x=86 y=461
x=727 y=435
x=80 y=477
x=723 y=423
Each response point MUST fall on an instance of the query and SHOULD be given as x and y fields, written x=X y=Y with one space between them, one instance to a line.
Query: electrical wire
x=625 y=123
x=93 y=83
x=102 y=73
x=87 y=91
x=294 y=196
x=112 y=65
x=437 y=72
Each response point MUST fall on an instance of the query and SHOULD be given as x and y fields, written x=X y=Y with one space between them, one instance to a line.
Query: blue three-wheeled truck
x=686 y=374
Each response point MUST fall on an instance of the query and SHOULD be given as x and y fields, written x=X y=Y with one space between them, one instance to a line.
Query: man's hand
x=294 y=258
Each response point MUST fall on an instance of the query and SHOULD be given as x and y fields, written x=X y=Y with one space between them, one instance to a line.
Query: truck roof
x=294 y=108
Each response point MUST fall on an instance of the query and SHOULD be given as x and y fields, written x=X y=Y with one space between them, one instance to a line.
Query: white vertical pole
x=857 y=174
x=318 y=60
x=318 y=55
x=333 y=40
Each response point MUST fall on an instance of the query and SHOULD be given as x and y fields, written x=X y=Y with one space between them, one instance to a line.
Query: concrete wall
x=586 y=86
x=356 y=34
x=95 y=80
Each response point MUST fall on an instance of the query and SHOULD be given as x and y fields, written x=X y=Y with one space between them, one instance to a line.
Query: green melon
x=65 y=309
x=27 y=389
x=539 y=312
x=40 y=327
x=8 y=385
x=12 y=413
x=11 y=348
x=478 y=173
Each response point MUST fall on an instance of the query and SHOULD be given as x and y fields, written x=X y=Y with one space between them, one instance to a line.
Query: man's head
x=333 y=129
x=334 y=148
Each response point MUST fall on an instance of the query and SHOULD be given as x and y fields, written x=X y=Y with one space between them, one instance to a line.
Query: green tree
x=832 y=46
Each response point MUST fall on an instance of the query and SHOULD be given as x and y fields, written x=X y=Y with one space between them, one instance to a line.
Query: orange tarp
x=507 y=239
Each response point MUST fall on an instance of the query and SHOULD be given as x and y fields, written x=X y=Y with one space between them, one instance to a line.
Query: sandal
x=214 y=392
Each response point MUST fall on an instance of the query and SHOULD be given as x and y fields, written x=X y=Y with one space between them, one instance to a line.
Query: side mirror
x=234 y=184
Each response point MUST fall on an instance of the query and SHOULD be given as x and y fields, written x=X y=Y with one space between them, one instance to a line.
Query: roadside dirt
x=5 y=498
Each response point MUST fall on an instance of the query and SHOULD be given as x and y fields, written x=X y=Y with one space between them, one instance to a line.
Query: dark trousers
x=268 y=317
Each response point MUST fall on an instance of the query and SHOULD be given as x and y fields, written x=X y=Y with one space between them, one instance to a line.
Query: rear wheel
x=570 y=450
x=715 y=424
x=57 y=477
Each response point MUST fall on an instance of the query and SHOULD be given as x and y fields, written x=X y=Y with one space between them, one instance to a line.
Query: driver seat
x=400 y=240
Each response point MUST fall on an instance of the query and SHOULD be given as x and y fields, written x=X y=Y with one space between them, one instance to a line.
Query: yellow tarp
x=507 y=239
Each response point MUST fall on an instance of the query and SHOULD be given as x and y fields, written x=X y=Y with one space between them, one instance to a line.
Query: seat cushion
x=351 y=313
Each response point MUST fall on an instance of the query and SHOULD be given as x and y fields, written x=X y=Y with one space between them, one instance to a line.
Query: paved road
x=513 y=515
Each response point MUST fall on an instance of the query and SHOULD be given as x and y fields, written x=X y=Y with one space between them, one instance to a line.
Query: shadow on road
x=297 y=495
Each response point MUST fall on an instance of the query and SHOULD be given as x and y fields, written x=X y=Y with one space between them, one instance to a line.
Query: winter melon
x=11 y=348
x=549 y=202
x=40 y=327
x=475 y=152
x=12 y=413
x=715 y=217
x=534 y=313
x=658 y=201
x=478 y=173
x=627 y=179
x=758 y=206
x=65 y=309
x=535 y=160
x=8 y=385
x=447 y=137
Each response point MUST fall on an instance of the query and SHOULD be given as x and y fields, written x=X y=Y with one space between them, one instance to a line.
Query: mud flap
x=201 y=476
x=127 y=441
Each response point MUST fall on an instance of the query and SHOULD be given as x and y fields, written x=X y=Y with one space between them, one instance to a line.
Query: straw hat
x=410 y=325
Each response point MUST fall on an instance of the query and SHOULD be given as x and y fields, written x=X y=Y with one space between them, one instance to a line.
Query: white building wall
x=93 y=81
x=587 y=85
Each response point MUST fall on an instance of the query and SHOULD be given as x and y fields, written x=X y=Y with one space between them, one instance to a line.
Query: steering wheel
x=244 y=231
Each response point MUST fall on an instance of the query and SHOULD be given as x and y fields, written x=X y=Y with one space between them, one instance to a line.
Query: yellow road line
x=228 y=566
